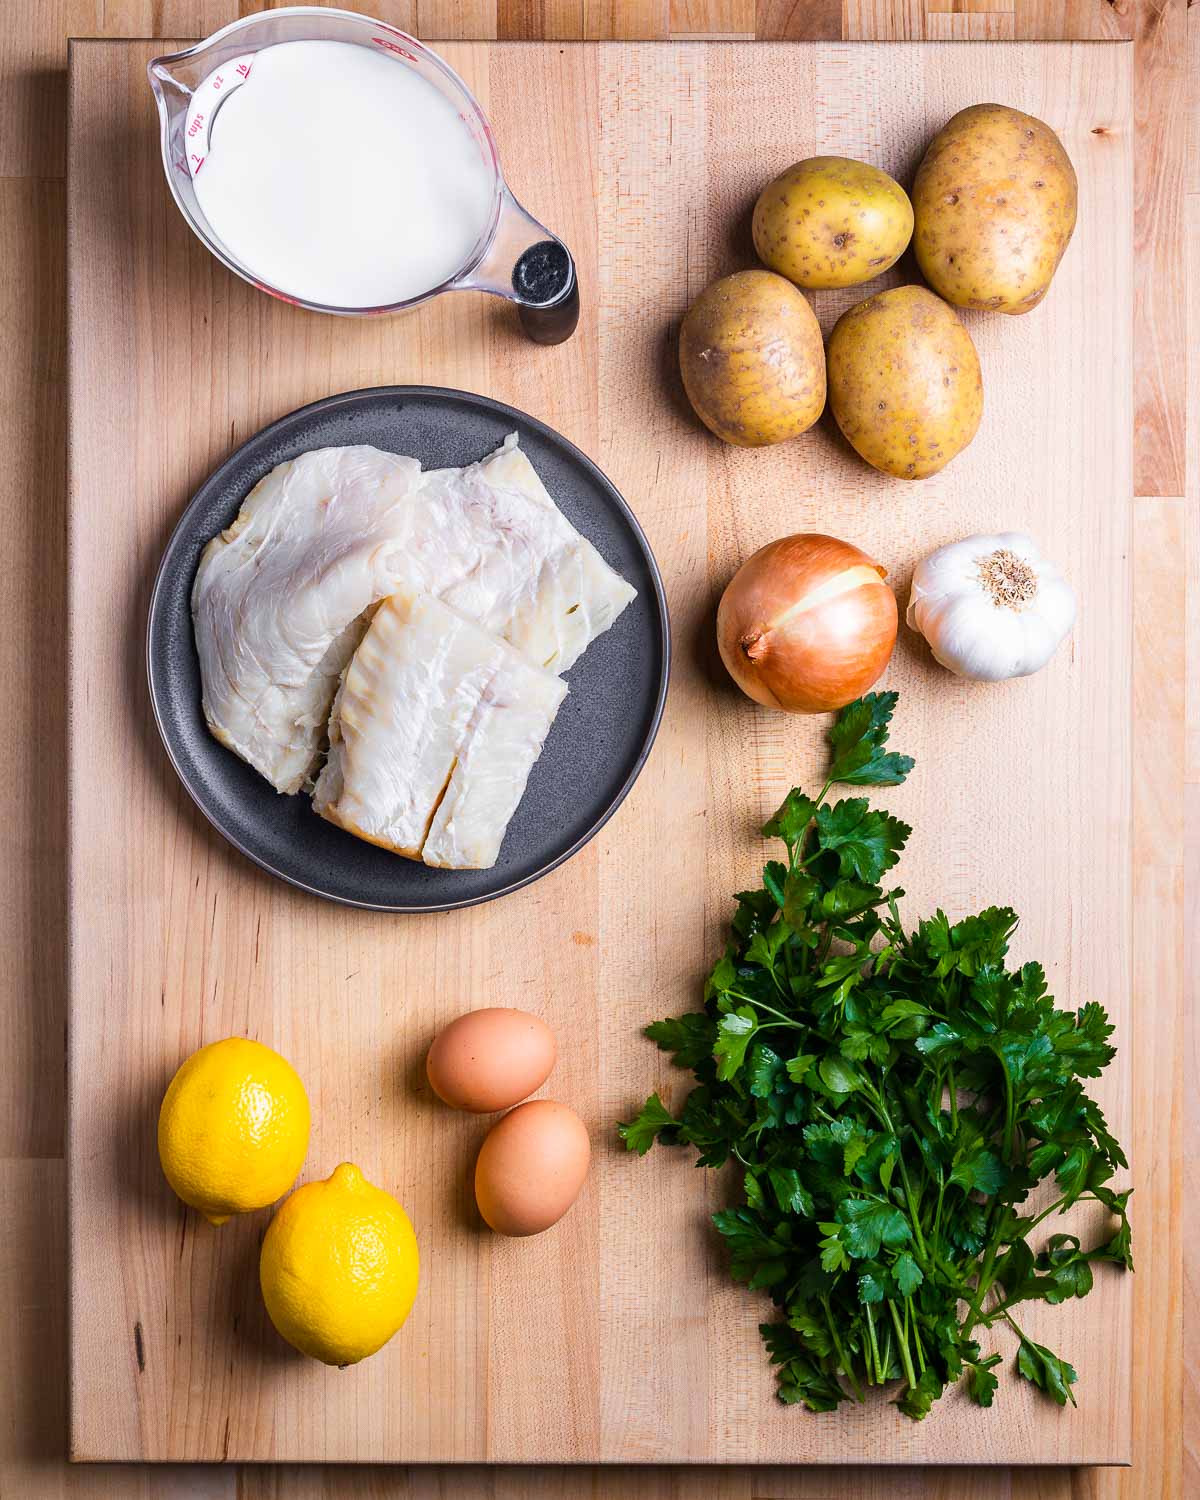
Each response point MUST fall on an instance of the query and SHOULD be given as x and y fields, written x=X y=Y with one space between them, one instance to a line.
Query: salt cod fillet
x=497 y=753
x=539 y=583
x=280 y=595
x=433 y=733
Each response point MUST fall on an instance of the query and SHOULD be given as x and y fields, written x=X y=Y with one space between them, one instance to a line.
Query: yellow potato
x=829 y=221
x=904 y=381
x=995 y=200
x=751 y=358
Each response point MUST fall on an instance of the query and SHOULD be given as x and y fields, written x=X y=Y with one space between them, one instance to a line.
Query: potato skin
x=904 y=381
x=752 y=361
x=829 y=222
x=995 y=200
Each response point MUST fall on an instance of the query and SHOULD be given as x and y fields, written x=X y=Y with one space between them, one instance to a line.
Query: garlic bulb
x=991 y=607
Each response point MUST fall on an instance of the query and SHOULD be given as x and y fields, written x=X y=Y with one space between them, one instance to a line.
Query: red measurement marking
x=198 y=160
x=244 y=69
x=195 y=125
x=382 y=41
x=217 y=81
x=181 y=165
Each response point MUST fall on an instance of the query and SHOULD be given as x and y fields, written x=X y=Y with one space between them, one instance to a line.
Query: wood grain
x=1192 y=175
x=664 y=1483
x=177 y=941
x=970 y=26
x=898 y=20
x=32 y=665
x=1159 y=286
x=1165 y=1453
x=1191 y=596
x=969 y=7
x=1159 y=966
x=713 y=18
x=1096 y=20
x=799 y=20
x=32 y=96
x=1191 y=863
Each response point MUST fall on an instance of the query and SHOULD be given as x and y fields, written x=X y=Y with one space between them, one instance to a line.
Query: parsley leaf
x=857 y=739
x=690 y=1038
x=908 y=1274
x=640 y=1133
x=981 y=1383
x=1049 y=1373
x=866 y=843
x=867 y=1225
x=791 y=821
x=733 y=1037
x=803 y=1379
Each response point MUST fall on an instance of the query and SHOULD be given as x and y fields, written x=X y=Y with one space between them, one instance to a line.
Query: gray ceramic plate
x=599 y=741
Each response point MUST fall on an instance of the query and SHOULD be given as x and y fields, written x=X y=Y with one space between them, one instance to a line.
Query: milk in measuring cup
x=340 y=176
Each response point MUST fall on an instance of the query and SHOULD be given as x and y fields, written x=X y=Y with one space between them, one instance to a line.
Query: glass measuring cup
x=514 y=257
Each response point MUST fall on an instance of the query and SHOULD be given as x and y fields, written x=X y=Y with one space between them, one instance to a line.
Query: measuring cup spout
x=533 y=268
x=171 y=87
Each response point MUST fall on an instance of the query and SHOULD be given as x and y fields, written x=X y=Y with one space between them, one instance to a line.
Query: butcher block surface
x=618 y=1336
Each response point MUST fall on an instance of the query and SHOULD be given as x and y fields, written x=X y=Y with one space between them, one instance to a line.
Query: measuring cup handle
x=547 y=292
x=528 y=265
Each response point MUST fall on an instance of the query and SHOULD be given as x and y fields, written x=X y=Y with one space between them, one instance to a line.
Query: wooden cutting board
x=618 y=1336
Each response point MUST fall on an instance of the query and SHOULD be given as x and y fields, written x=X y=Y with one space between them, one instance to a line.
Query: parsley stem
x=936 y=1234
x=999 y=1311
x=874 y=1345
x=843 y=1363
x=982 y=1287
x=1045 y=1214
x=770 y=1010
x=1009 y=1112
x=952 y=1275
x=912 y=1207
x=916 y=1333
x=877 y=1103
x=1020 y=1332
x=905 y=1357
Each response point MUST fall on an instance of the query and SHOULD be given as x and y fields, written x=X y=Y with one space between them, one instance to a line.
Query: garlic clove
x=970 y=637
x=1056 y=599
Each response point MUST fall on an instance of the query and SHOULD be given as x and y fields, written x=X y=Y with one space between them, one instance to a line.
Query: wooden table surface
x=1166 y=734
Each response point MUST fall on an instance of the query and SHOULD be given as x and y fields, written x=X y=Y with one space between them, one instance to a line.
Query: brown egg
x=531 y=1167
x=490 y=1059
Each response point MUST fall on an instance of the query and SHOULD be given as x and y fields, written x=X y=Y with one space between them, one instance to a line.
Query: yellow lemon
x=233 y=1128
x=339 y=1268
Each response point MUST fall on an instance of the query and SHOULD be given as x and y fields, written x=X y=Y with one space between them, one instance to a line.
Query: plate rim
x=500 y=408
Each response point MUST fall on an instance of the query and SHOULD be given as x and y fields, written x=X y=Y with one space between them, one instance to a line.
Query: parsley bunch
x=891 y=1099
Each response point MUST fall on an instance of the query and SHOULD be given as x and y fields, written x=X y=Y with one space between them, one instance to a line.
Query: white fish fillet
x=498 y=751
x=552 y=593
x=280 y=597
x=433 y=733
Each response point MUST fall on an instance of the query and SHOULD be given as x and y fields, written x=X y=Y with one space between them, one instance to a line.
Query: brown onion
x=807 y=624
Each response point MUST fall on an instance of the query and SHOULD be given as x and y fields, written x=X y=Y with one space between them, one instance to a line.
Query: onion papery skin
x=807 y=624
